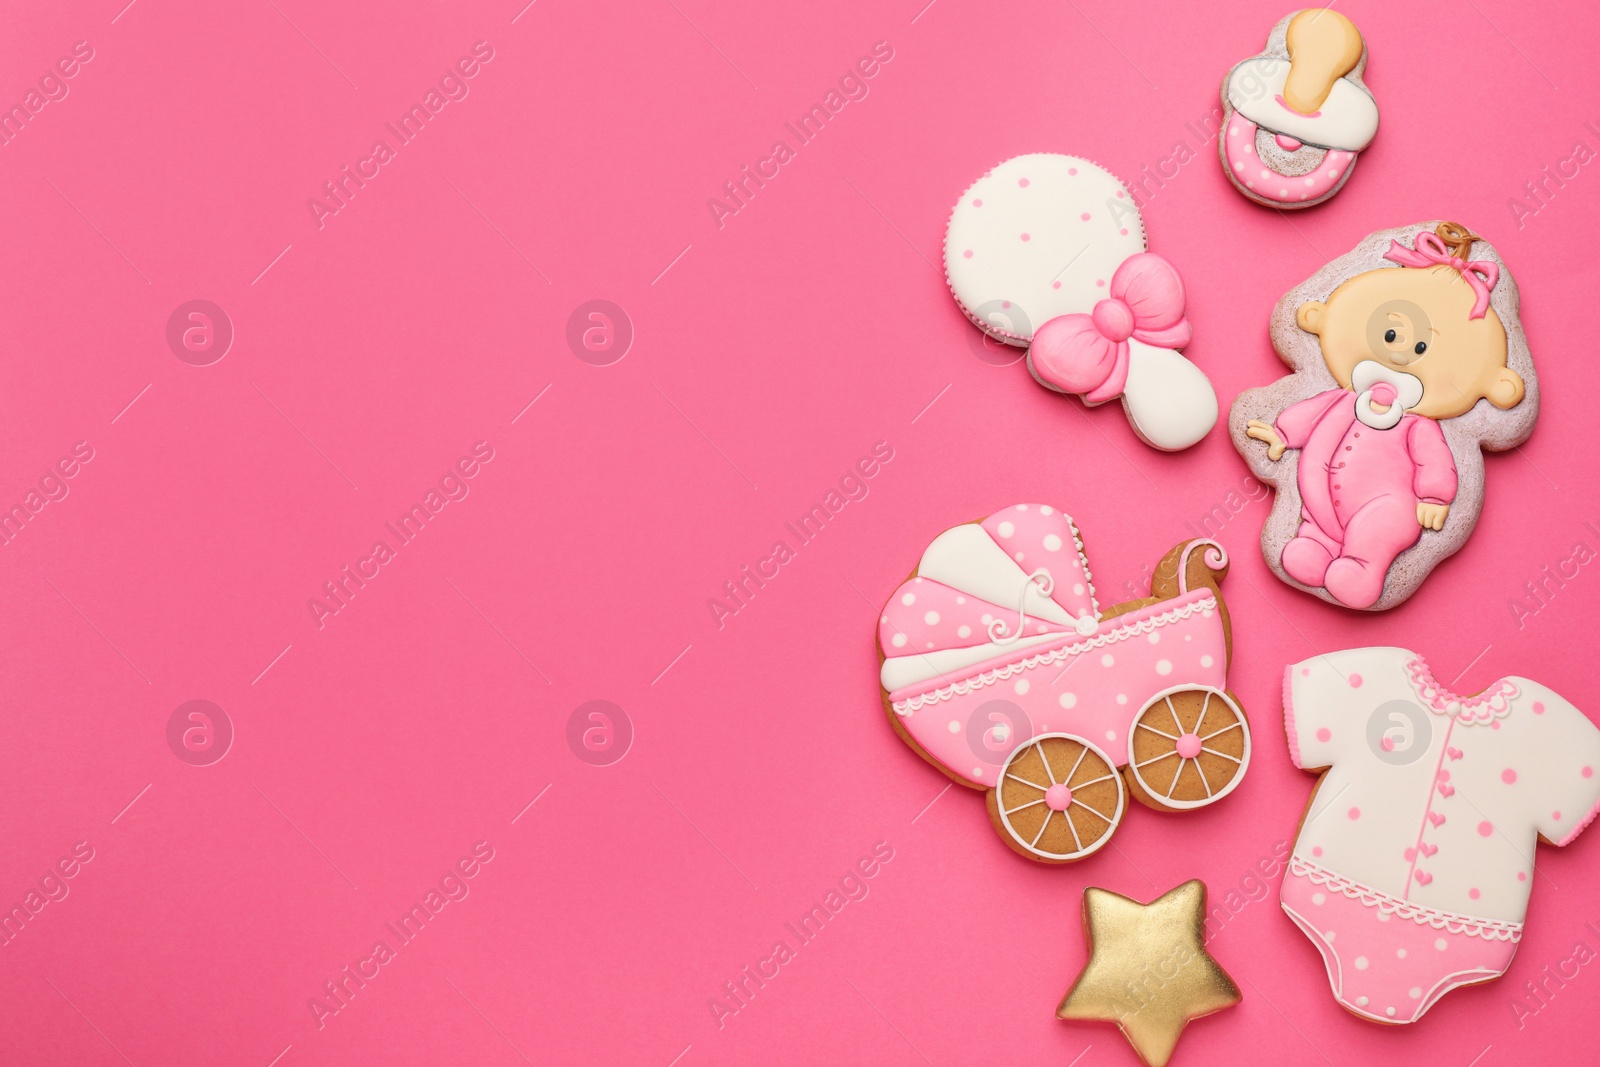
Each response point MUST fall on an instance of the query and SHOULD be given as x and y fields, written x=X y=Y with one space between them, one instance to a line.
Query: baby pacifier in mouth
x=1298 y=114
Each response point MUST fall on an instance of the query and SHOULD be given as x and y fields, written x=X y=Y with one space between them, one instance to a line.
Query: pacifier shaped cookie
x=1298 y=114
x=1409 y=359
x=1047 y=252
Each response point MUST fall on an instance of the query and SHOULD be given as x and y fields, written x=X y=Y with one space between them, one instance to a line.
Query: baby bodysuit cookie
x=1415 y=856
x=1297 y=115
x=1047 y=252
x=1408 y=358
x=1001 y=669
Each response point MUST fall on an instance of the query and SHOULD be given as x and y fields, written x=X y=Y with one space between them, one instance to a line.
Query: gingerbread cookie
x=1415 y=856
x=1148 y=969
x=1408 y=359
x=1298 y=114
x=1047 y=252
x=1000 y=668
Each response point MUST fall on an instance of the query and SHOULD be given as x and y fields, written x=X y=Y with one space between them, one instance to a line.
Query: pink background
x=770 y=354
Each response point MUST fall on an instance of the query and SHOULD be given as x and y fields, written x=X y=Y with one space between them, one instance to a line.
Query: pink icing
x=1492 y=703
x=1037 y=535
x=1346 y=469
x=1058 y=797
x=1287 y=143
x=1479 y=274
x=1188 y=745
x=1089 y=354
x=1288 y=717
x=1119 y=661
x=1285 y=105
x=1247 y=168
x=1381 y=966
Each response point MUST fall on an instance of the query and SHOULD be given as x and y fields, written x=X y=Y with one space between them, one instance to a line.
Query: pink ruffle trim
x=1288 y=717
x=1455 y=923
x=1493 y=703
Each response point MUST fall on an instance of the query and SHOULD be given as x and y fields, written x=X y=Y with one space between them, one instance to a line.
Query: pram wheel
x=1190 y=747
x=1058 y=799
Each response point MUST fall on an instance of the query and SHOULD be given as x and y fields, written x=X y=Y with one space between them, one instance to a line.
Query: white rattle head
x=1048 y=252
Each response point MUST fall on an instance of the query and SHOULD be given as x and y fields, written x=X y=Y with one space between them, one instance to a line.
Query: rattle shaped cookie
x=1408 y=359
x=1047 y=252
x=1000 y=669
x=1415 y=856
x=1298 y=114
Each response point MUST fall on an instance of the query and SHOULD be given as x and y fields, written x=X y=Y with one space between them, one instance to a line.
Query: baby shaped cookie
x=1298 y=114
x=1408 y=359
x=1047 y=252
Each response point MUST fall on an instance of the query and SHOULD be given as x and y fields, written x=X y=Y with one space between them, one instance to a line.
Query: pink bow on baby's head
x=1088 y=354
x=1449 y=248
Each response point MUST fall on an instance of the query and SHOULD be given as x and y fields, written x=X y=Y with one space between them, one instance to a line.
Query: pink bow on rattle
x=1481 y=274
x=1088 y=354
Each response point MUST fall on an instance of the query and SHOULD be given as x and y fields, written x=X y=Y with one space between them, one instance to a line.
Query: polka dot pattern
x=1239 y=148
x=1036 y=537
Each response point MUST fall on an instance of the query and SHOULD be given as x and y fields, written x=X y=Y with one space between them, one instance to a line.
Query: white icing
x=1169 y=400
x=1077 y=854
x=967 y=558
x=1408 y=393
x=1462 y=793
x=900 y=671
x=1062 y=247
x=1213 y=718
x=1113 y=631
x=1347 y=120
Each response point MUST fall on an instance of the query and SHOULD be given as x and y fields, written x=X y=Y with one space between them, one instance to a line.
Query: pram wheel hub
x=1059 y=799
x=1190 y=748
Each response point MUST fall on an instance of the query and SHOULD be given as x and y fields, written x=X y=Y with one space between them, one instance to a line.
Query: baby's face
x=1415 y=320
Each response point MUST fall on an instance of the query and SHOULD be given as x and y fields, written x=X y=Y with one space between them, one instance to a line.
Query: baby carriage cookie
x=1414 y=860
x=1047 y=252
x=1000 y=668
x=1408 y=359
x=1298 y=114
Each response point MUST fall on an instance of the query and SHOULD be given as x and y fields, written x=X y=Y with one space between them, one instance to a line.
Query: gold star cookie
x=1148 y=968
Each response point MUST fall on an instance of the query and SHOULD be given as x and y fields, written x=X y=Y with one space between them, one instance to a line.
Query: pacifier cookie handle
x=1324 y=46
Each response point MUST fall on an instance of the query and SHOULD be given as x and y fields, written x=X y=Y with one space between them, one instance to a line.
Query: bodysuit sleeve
x=1296 y=421
x=1566 y=768
x=1317 y=698
x=1435 y=478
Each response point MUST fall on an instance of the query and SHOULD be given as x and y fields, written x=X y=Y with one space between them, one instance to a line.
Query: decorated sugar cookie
x=1148 y=969
x=1001 y=669
x=1408 y=358
x=1415 y=856
x=1298 y=114
x=1047 y=252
